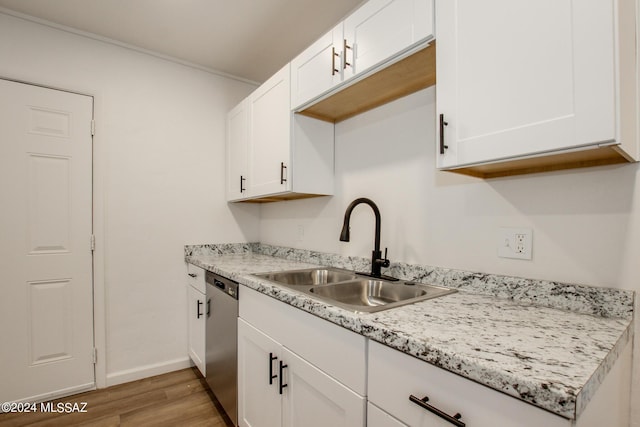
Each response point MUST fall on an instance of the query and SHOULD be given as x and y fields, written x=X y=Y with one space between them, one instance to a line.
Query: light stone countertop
x=554 y=359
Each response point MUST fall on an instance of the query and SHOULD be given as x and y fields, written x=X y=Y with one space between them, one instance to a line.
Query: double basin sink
x=353 y=292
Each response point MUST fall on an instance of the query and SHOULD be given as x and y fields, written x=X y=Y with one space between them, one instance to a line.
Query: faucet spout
x=377 y=261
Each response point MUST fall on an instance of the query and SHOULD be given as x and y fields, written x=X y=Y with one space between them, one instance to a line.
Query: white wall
x=159 y=183
x=586 y=223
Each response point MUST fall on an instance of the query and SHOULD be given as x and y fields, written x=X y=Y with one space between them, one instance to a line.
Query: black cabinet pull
x=334 y=70
x=453 y=419
x=198 y=309
x=209 y=308
x=345 y=46
x=442 y=125
x=271 y=376
x=282 y=386
x=193 y=275
x=282 y=174
x=242 y=180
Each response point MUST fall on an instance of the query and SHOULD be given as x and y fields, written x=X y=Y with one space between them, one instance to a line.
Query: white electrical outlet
x=515 y=242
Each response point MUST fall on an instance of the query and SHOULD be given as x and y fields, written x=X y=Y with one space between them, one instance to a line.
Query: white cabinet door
x=376 y=417
x=259 y=401
x=270 y=135
x=381 y=29
x=522 y=78
x=197 y=311
x=237 y=152
x=318 y=68
x=314 y=399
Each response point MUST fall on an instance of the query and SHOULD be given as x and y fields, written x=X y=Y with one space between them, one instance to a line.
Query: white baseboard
x=146 y=371
x=56 y=394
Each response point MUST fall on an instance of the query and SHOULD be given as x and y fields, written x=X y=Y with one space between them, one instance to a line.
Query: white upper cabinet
x=530 y=78
x=237 y=151
x=274 y=154
x=377 y=33
x=269 y=135
x=381 y=29
x=318 y=68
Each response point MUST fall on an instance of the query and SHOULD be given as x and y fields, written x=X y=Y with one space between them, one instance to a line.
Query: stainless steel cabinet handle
x=282 y=173
x=242 y=180
x=453 y=419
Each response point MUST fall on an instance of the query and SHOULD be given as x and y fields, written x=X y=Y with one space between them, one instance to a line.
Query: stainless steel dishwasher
x=222 y=342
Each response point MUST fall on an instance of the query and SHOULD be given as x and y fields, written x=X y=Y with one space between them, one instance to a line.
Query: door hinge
x=93 y=127
x=94 y=356
x=93 y=242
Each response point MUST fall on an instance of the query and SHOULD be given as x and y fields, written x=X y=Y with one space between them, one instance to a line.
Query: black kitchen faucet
x=377 y=261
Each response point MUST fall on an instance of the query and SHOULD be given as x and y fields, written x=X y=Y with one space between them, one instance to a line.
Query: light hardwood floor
x=178 y=398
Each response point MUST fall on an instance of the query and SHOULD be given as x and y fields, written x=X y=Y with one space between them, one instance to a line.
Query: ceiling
x=250 y=39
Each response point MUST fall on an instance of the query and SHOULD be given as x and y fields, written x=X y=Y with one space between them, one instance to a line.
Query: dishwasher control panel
x=227 y=286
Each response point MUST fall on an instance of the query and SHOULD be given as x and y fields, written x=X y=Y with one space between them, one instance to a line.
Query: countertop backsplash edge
x=585 y=299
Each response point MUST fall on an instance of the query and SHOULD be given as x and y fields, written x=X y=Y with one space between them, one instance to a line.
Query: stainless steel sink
x=374 y=295
x=309 y=276
x=349 y=291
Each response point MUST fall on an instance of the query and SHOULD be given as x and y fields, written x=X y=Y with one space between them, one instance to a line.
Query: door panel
x=270 y=135
x=314 y=399
x=49 y=215
x=50 y=335
x=318 y=68
x=380 y=29
x=259 y=403
x=45 y=255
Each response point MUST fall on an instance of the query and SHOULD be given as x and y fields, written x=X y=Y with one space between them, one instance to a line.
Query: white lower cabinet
x=278 y=388
x=259 y=399
x=295 y=369
x=197 y=312
x=376 y=417
x=395 y=376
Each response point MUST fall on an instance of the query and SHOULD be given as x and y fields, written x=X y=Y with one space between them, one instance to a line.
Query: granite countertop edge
x=564 y=399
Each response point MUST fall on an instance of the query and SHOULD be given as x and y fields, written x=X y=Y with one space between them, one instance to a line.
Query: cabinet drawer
x=394 y=376
x=195 y=278
x=333 y=349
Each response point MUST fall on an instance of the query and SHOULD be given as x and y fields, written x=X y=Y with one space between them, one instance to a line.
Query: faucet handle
x=385 y=262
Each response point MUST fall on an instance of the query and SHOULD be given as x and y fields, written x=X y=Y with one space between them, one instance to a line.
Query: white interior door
x=46 y=303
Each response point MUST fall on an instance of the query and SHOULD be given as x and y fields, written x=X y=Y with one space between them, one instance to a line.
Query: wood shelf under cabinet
x=410 y=74
x=601 y=156
x=282 y=197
